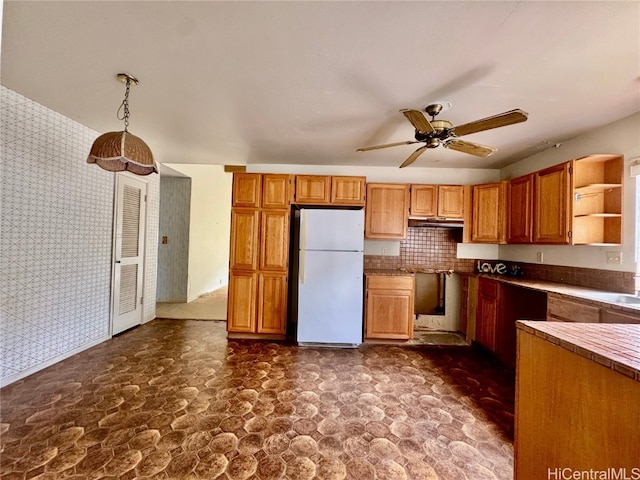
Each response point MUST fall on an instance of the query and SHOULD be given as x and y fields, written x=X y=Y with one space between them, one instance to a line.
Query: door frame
x=118 y=178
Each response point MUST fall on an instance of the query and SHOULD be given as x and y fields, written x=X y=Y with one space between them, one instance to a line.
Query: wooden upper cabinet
x=241 y=306
x=386 y=211
x=424 y=201
x=489 y=213
x=246 y=190
x=347 y=190
x=520 y=210
x=552 y=205
x=274 y=240
x=313 y=189
x=243 y=252
x=450 y=201
x=277 y=190
x=272 y=303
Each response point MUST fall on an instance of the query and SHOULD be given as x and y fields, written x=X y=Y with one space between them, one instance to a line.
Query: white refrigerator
x=330 y=272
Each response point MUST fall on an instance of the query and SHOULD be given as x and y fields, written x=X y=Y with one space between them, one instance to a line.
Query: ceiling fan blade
x=413 y=156
x=387 y=145
x=418 y=120
x=469 y=147
x=500 y=120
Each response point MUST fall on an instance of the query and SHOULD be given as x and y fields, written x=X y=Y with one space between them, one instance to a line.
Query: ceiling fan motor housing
x=442 y=131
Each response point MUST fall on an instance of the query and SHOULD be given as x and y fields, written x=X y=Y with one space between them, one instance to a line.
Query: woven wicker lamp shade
x=120 y=151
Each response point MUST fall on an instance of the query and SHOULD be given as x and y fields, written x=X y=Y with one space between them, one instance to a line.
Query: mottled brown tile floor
x=176 y=400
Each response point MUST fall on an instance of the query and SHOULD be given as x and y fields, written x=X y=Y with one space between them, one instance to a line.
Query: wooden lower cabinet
x=616 y=316
x=499 y=307
x=561 y=309
x=389 y=307
x=487 y=314
x=572 y=413
x=257 y=303
x=272 y=303
x=241 y=309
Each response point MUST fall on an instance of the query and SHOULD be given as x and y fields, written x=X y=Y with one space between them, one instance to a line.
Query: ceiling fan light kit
x=434 y=133
x=120 y=151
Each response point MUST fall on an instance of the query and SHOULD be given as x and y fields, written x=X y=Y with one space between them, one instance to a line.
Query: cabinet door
x=489 y=213
x=276 y=190
x=520 y=210
x=274 y=240
x=487 y=314
x=424 y=201
x=389 y=314
x=347 y=190
x=246 y=190
x=552 y=206
x=313 y=189
x=464 y=302
x=272 y=303
x=451 y=201
x=386 y=211
x=241 y=304
x=243 y=251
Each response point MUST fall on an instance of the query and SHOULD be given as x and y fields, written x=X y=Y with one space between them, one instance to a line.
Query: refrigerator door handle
x=303 y=243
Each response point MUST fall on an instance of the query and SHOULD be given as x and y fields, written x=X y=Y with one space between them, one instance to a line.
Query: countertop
x=611 y=345
x=585 y=294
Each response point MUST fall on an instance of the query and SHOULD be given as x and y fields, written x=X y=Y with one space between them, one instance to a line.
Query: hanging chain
x=124 y=106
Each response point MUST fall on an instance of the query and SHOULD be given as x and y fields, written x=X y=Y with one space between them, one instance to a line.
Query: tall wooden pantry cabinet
x=259 y=255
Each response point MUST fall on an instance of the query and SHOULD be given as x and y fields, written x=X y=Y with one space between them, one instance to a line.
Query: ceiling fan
x=441 y=132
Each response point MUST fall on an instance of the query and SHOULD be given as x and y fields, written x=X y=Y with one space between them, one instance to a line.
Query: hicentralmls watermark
x=565 y=473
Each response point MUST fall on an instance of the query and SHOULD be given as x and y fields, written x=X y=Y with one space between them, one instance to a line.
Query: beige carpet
x=210 y=306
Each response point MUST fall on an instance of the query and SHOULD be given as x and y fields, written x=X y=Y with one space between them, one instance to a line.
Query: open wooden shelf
x=597 y=200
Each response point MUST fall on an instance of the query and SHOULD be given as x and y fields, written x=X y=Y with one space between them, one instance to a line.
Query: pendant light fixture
x=119 y=151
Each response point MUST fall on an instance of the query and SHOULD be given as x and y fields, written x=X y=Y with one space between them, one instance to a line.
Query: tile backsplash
x=425 y=248
x=429 y=248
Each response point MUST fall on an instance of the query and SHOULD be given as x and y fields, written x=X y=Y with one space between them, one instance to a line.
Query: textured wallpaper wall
x=55 y=239
x=173 y=257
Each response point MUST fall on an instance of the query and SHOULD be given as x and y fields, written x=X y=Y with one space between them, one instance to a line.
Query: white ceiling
x=309 y=82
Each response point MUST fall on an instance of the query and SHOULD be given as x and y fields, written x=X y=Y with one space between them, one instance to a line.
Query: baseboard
x=52 y=361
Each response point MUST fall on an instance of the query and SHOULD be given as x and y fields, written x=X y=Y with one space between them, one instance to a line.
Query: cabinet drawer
x=563 y=310
x=390 y=282
x=614 y=316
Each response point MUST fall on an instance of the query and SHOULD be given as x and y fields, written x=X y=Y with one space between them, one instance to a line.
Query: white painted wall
x=209 y=227
x=620 y=137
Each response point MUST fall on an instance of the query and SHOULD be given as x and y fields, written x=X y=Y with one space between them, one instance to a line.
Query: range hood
x=438 y=222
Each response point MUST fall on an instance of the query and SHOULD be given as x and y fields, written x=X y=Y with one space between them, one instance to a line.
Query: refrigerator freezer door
x=330 y=298
x=332 y=229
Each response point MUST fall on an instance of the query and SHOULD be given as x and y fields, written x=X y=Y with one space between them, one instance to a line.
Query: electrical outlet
x=539 y=257
x=385 y=250
x=614 y=258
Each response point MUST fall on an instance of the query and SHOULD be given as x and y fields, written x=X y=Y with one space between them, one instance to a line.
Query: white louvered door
x=128 y=268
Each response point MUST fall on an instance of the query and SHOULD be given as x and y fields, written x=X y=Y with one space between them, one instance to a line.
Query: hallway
x=210 y=306
x=174 y=399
